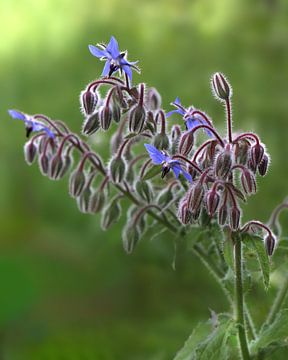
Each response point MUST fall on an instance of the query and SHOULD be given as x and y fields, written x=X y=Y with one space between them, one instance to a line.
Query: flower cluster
x=210 y=179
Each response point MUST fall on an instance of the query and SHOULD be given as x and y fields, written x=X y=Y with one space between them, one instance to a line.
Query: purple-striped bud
x=88 y=100
x=212 y=200
x=195 y=197
x=43 y=163
x=137 y=116
x=270 y=243
x=184 y=214
x=196 y=214
x=234 y=217
x=257 y=152
x=153 y=99
x=221 y=87
x=252 y=166
x=248 y=182
x=67 y=162
x=105 y=114
x=83 y=201
x=186 y=143
x=161 y=141
x=30 y=151
x=116 y=112
x=223 y=164
x=77 y=182
x=263 y=166
x=55 y=167
x=91 y=124
x=175 y=133
x=117 y=168
x=97 y=201
x=241 y=151
x=222 y=215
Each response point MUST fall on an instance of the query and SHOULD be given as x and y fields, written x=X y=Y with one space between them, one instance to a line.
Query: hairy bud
x=234 y=217
x=257 y=152
x=184 y=214
x=30 y=151
x=248 y=182
x=270 y=243
x=186 y=143
x=97 y=201
x=105 y=114
x=83 y=201
x=221 y=87
x=88 y=101
x=77 y=182
x=153 y=99
x=161 y=141
x=111 y=214
x=43 y=163
x=222 y=215
x=195 y=197
x=263 y=166
x=55 y=167
x=137 y=116
x=223 y=164
x=212 y=199
x=116 y=112
x=130 y=237
x=241 y=151
x=117 y=169
x=145 y=190
x=67 y=162
x=91 y=124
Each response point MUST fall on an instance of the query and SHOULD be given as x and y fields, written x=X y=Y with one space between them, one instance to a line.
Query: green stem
x=280 y=298
x=239 y=299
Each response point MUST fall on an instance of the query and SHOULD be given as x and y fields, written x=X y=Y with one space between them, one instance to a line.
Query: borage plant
x=174 y=181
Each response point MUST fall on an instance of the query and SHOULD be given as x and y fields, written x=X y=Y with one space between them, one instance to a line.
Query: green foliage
x=152 y=172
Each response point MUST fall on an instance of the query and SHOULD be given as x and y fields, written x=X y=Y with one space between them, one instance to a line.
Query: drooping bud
x=252 y=166
x=257 y=152
x=91 y=124
x=221 y=87
x=223 y=164
x=55 y=167
x=153 y=99
x=105 y=114
x=196 y=214
x=43 y=163
x=116 y=111
x=150 y=123
x=222 y=215
x=88 y=100
x=263 y=166
x=97 y=201
x=117 y=168
x=111 y=213
x=248 y=182
x=130 y=237
x=212 y=200
x=186 y=143
x=137 y=116
x=83 y=201
x=145 y=190
x=161 y=141
x=184 y=214
x=241 y=151
x=175 y=133
x=195 y=197
x=77 y=182
x=115 y=141
x=30 y=151
x=234 y=217
x=270 y=243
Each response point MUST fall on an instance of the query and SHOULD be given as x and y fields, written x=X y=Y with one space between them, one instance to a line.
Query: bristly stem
x=239 y=299
x=229 y=120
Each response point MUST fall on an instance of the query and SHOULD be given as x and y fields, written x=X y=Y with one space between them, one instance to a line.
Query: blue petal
x=178 y=111
x=37 y=126
x=97 y=52
x=191 y=123
x=113 y=48
x=156 y=156
x=127 y=70
x=187 y=175
x=177 y=101
x=17 y=115
x=106 y=68
x=177 y=170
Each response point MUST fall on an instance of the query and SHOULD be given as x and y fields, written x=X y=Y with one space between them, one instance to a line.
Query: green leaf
x=211 y=347
x=255 y=243
x=272 y=336
x=153 y=171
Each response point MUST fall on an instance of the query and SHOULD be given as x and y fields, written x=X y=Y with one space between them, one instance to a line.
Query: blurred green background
x=68 y=290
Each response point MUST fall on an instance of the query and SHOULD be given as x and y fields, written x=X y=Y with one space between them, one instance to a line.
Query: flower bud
x=186 y=143
x=252 y=166
x=91 y=124
x=241 y=150
x=221 y=87
x=137 y=116
x=184 y=214
x=270 y=243
x=150 y=123
x=30 y=151
x=130 y=237
x=105 y=114
x=110 y=214
x=212 y=199
x=116 y=112
x=141 y=223
x=234 y=217
x=97 y=201
x=43 y=163
x=248 y=182
x=257 y=152
x=195 y=197
x=222 y=215
x=223 y=164
x=55 y=167
x=117 y=169
x=153 y=99
x=83 y=201
x=88 y=100
x=145 y=190
x=175 y=133
x=67 y=162
x=161 y=141
x=77 y=182
x=263 y=166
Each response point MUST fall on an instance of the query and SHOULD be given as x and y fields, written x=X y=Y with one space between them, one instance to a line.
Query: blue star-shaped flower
x=191 y=121
x=114 y=59
x=160 y=157
x=30 y=124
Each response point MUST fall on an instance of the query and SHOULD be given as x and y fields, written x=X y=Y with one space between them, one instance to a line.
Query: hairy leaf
x=153 y=171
